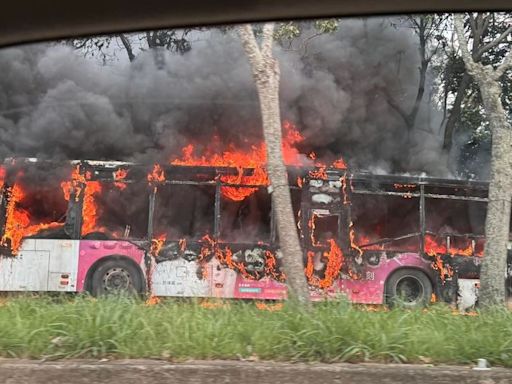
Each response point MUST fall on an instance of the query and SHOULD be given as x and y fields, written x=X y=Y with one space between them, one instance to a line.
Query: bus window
x=324 y=228
x=184 y=211
x=247 y=220
x=455 y=226
x=377 y=217
x=458 y=217
x=122 y=211
x=36 y=206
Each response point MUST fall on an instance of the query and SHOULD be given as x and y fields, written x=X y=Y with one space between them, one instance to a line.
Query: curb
x=13 y=371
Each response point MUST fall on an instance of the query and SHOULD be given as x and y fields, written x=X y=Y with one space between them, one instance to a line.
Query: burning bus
x=185 y=230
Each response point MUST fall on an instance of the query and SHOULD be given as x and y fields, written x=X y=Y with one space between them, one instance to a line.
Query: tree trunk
x=494 y=265
x=497 y=223
x=265 y=70
x=455 y=112
x=281 y=199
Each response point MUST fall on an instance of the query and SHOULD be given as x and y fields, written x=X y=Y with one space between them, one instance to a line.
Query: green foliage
x=169 y=39
x=326 y=26
x=287 y=31
x=472 y=118
x=179 y=330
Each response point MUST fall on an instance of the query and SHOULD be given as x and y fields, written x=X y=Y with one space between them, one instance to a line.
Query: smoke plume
x=57 y=104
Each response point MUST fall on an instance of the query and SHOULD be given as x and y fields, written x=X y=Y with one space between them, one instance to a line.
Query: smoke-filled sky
x=56 y=103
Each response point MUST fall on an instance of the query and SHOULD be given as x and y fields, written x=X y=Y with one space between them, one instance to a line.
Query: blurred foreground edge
x=27 y=20
x=14 y=371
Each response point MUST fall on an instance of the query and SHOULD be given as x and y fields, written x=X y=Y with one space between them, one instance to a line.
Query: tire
x=408 y=288
x=116 y=277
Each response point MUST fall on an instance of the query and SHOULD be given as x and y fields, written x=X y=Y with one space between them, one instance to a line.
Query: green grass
x=49 y=328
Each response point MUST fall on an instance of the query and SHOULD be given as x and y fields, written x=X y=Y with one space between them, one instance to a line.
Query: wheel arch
x=114 y=257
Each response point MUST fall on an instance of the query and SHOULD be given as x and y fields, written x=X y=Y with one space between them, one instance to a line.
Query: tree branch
x=398 y=109
x=250 y=45
x=506 y=65
x=471 y=65
x=268 y=37
x=463 y=44
x=127 y=46
x=495 y=42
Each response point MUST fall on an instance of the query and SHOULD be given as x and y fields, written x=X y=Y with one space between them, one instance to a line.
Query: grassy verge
x=331 y=332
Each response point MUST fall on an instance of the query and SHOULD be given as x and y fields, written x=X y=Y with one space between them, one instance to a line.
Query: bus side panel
x=265 y=288
x=370 y=289
x=181 y=278
x=27 y=271
x=63 y=264
x=178 y=278
x=91 y=251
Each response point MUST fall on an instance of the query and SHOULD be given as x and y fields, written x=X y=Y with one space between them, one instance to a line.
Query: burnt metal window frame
x=200 y=175
x=69 y=225
x=475 y=191
x=269 y=238
x=103 y=172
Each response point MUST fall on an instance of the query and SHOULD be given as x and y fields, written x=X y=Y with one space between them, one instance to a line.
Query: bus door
x=323 y=230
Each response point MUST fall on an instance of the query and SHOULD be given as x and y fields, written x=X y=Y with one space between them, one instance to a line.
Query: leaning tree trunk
x=265 y=70
x=455 y=112
x=497 y=223
x=494 y=266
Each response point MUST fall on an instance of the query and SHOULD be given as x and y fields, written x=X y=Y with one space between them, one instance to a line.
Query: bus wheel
x=408 y=288
x=116 y=276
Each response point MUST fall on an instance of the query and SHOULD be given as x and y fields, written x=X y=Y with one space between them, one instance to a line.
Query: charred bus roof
x=360 y=180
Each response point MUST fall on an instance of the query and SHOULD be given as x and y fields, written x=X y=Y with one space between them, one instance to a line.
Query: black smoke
x=57 y=104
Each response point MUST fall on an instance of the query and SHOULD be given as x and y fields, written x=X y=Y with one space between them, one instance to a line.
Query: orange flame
x=445 y=271
x=259 y=177
x=90 y=208
x=157 y=244
x=213 y=304
x=271 y=268
x=362 y=240
x=319 y=173
x=183 y=244
x=152 y=300
x=2 y=177
x=335 y=260
x=353 y=243
x=334 y=263
x=17 y=224
x=157 y=175
x=225 y=257
x=262 y=306
x=433 y=247
x=119 y=177
x=18 y=220
x=340 y=164
x=78 y=184
x=254 y=158
x=312 y=226
x=204 y=254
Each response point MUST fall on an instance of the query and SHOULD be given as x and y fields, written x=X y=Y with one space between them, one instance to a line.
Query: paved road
x=158 y=372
